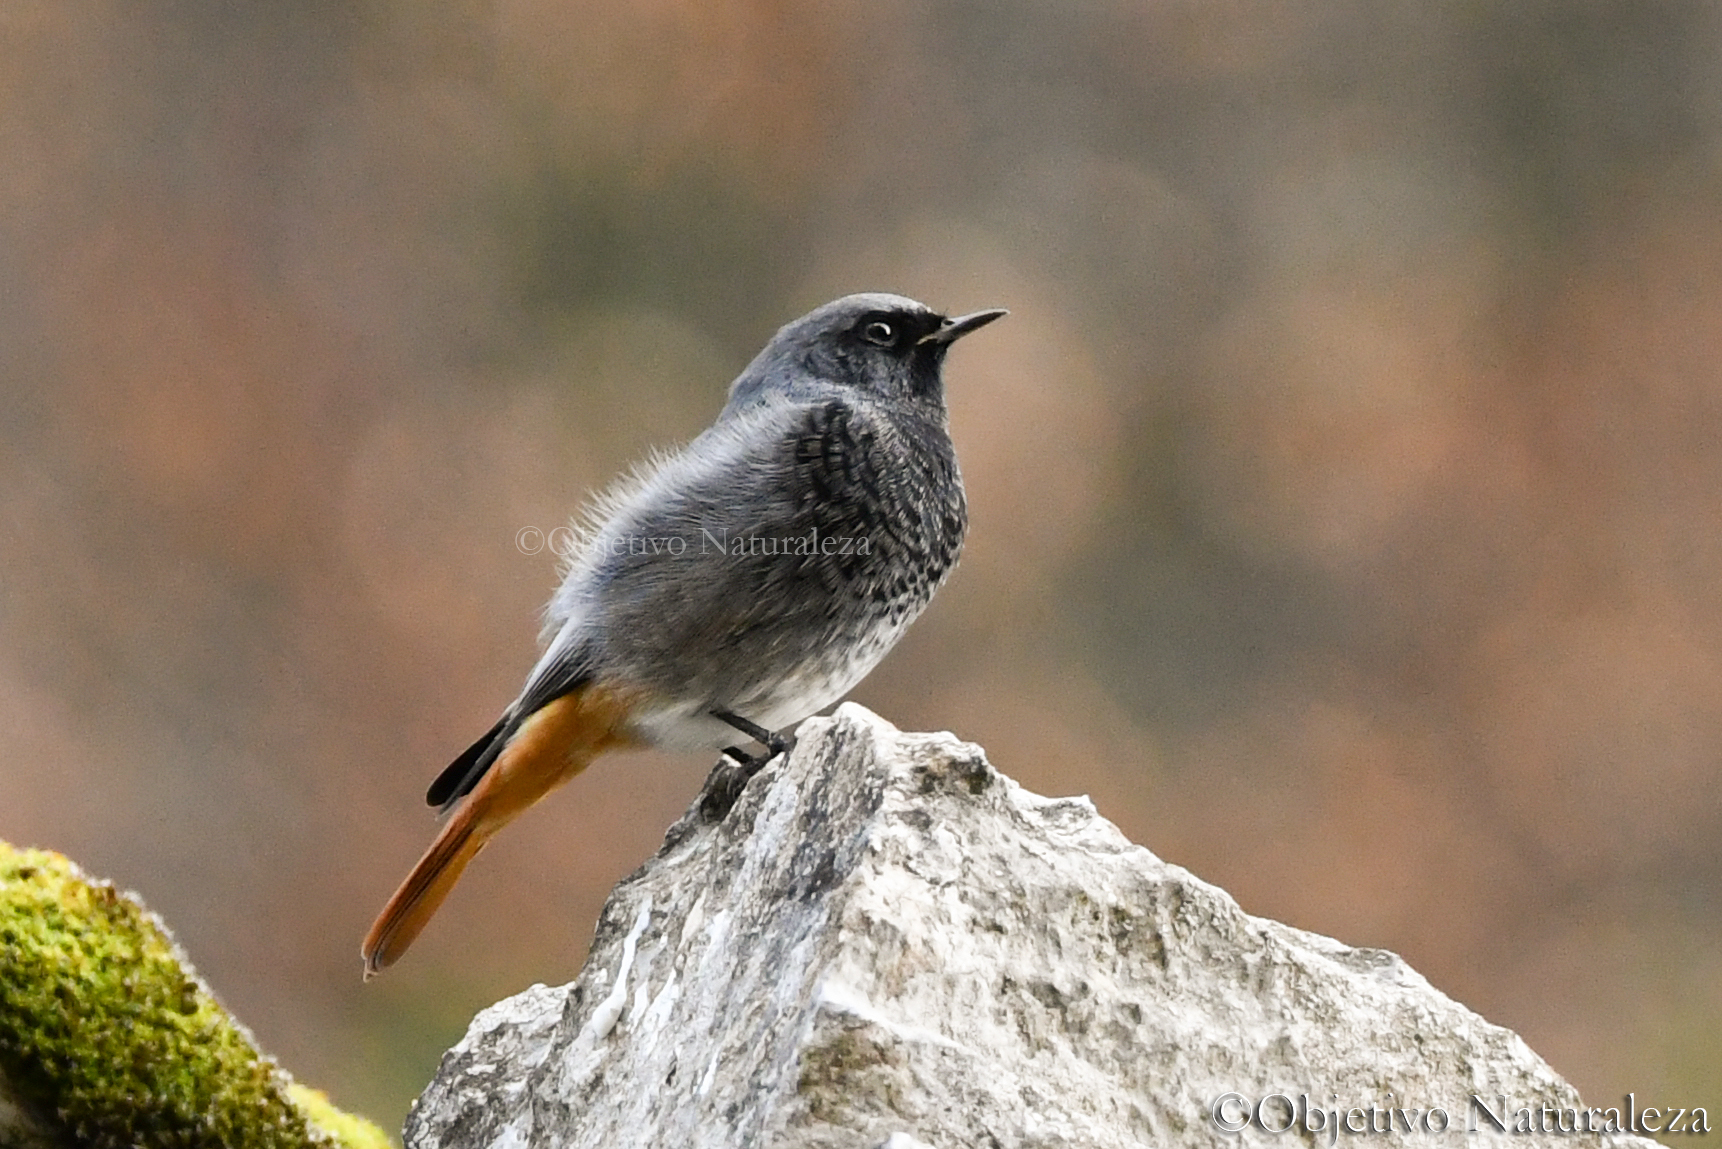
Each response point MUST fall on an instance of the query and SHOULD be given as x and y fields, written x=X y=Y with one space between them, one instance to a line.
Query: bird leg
x=773 y=742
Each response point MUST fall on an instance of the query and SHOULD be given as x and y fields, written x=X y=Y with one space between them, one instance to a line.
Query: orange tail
x=554 y=744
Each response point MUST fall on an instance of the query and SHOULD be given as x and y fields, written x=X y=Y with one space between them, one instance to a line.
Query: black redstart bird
x=740 y=584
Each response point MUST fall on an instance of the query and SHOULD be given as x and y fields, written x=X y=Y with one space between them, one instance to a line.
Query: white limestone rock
x=886 y=944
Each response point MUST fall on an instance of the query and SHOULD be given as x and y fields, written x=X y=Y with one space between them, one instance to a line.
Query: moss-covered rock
x=108 y=1035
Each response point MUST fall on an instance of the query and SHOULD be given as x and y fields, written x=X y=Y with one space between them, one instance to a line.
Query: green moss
x=351 y=1132
x=103 y=1024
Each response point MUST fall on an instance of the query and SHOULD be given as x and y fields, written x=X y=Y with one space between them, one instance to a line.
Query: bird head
x=885 y=346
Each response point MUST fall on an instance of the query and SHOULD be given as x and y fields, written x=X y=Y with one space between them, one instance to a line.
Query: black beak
x=953 y=329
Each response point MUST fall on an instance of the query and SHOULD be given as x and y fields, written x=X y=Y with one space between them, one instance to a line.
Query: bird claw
x=773 y=742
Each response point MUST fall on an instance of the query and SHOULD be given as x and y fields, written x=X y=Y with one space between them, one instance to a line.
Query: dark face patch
x=882 y=352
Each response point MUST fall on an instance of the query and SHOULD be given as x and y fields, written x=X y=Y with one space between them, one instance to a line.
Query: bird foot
x=773 y=742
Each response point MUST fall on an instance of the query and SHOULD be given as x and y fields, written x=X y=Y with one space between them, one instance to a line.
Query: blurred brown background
x=1347 y=481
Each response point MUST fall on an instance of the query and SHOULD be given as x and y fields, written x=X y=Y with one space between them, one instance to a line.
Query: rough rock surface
x=886 y=944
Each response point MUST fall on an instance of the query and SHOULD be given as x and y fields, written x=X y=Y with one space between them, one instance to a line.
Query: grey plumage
x=737 y=585
x=828 y=438
x=687 y=579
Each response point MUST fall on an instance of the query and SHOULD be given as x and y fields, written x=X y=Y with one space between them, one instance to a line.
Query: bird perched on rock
x=739 y=584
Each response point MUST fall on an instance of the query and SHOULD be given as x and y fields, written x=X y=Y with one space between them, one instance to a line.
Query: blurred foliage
x=1345 y=482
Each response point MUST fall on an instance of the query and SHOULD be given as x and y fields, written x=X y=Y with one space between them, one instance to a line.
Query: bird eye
x=879 y=332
